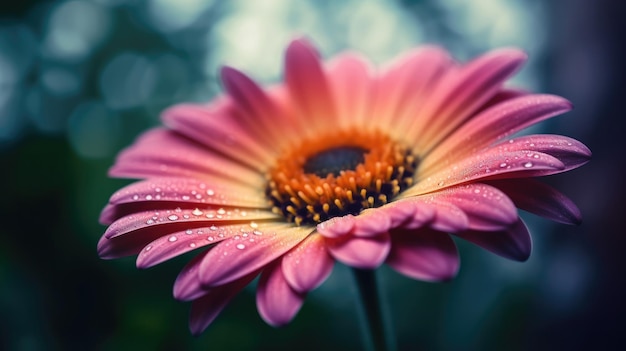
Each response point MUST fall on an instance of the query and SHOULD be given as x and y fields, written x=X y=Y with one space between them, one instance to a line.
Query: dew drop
x=257 y=232
x=254 y=225
x=148 y=197
x=148 y=248
x=172 y=217
x=186 y=197
x=241 y=246
x=210 y=238
x=135 y=197
x=150 y=221
x=213 y=227
x=221 y=211
x=528 y=164
x=192 y=245
x=237 y=237
x=210 y=192
x=440 y=183
x=188 y=231
x=172 y=238
x=503 y=164
x=197 y=212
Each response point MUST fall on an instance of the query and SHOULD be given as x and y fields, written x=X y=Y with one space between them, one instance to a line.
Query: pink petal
x=486 y=207
x=461 y=93
x=162 y=153
x=360 y=252
x=571 y=152
x=513 y=243
x=260 y=114
x=351 y=85
x=495 y=124
x=276 y=301
x=187 y=286
x=126 y=245
x=503 y=95
x=186 y=192
x=448 y=217
x=423 y=254
x=217 y=127
x=165 y=221
x=205 y=309
x=410 y=213
x=179 y=243
x=404 y=87
x=371 y=222
x=308 y=87
x=540 y=199
x=307 y=265
x=336 y=226
x=496 y=162
x=233 y=259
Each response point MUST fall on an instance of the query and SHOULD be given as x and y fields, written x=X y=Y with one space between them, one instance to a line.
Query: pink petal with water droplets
x=232 y=259
x=495 y=124
x=410 y=213
x=336 y=226
x=448 y=217
x=493 y=163
x=486 y=207
x=360 y=252
x=205 y=309
x=571 y=152
x=276 y=301
x=423 y=254
x=540 y=199
x=404 y=87
x=181 y=242
x=308 y=86
x=513 y=243
x=258 y=111
x=161 y=153
x=463 y=91
x=168 y=221
x=187 y=286
x=351 y=85
x=182 y=192
x=307 y=265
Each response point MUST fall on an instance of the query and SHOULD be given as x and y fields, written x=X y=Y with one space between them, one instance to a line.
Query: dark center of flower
x=334 y=161
x=339 y=174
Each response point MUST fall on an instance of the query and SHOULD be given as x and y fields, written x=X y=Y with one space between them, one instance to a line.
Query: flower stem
x=375 y=329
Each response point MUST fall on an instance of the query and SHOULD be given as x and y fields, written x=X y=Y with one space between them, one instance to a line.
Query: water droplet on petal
x=172 y=238
x=192 y=245
x=186 y=197
x=135 y=197
x=221 y=211
x=503 y=164
x=148 y=197
x=172 y=217
x=210 y=192
x=241 y=246
x=148 y=248
x=254 y=225
x=257 y=232
x=197 y=212
x=188 y=231
x=150 y=221
x=528 y=164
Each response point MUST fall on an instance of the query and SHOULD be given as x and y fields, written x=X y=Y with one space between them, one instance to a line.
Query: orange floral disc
x=338 y=174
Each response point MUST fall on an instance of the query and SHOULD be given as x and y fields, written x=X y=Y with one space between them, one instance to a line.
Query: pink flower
x=339 y=163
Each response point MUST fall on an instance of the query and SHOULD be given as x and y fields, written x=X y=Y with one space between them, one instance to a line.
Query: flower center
x=334 y=161
x=338 y=174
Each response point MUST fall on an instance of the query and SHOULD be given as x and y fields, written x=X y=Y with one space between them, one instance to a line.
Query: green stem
x=375 y=329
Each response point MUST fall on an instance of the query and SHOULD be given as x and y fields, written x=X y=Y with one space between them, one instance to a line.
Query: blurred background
x=80 y=79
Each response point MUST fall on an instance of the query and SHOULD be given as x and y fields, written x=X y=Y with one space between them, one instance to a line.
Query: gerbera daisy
x=339 y=163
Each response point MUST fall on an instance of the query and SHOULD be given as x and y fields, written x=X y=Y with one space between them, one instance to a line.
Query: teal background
x=79 y=80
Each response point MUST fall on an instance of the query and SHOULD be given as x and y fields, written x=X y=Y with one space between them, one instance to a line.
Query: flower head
x=339 y=163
